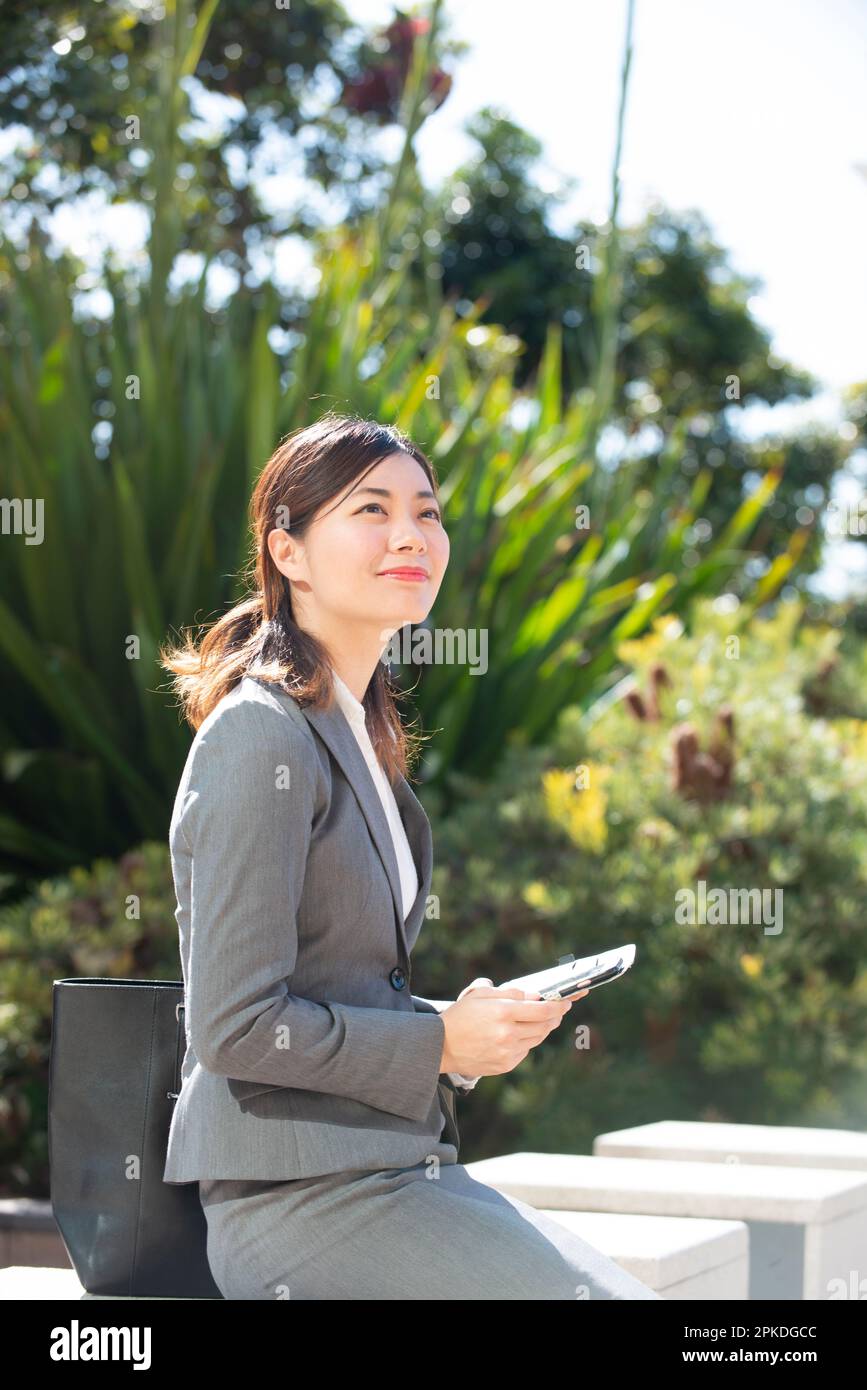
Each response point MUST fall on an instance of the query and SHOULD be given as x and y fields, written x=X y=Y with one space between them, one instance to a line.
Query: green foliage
x=74 y=74
x=113 y=920
x=734 y=1021
x=157 y=422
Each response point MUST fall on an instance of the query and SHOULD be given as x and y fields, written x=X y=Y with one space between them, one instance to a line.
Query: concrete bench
x=679 y=1257
x=33 y=1282
x=698 y=1141
x=807 y=1226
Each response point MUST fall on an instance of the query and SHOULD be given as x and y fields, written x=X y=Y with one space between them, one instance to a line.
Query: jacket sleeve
x=465 y=1083
x=247 y=818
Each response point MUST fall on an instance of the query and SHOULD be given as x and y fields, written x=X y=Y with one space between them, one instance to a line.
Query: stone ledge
x=679 y=1257
x=807 y=1226
x=789 y=1146
x=24 y=1282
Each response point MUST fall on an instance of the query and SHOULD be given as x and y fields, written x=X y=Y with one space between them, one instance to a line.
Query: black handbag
x=117 y=1047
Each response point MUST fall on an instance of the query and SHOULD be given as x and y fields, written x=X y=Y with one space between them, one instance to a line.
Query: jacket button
x=398 y=978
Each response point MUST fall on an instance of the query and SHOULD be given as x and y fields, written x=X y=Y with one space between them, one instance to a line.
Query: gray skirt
x=426 y=1232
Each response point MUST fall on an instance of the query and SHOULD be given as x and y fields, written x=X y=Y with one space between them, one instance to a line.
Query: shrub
x=707 y=766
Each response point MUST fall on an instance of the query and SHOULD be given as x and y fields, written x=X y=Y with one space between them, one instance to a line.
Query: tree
x=689 y=350
x=306 y=76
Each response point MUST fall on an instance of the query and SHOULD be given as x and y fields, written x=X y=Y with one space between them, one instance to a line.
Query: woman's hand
x=490 y=1029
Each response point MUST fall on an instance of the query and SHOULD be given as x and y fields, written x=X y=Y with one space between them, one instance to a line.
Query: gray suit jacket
x=306 y=1053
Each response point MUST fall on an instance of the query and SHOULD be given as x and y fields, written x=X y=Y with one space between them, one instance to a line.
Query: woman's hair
x=259 y=636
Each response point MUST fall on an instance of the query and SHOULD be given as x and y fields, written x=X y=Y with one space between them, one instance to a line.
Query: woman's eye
x=429 y=511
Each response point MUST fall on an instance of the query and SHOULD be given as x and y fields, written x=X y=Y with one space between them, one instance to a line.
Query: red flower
x=378 y=90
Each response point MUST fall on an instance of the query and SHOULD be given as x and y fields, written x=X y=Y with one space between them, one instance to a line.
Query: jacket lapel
x=418 y=832
x=333 y=728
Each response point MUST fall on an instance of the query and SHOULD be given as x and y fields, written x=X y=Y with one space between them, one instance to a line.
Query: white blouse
x=409 y=884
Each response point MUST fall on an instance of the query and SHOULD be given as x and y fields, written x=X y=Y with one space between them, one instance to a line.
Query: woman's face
x=388 y=520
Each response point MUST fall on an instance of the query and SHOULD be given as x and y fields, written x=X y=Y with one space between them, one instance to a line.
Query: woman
x=316 y=1110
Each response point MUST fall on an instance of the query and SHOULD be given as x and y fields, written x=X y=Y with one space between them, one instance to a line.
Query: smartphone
x=570 y=976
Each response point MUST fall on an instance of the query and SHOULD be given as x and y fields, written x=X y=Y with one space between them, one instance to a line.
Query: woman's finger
x=480 y=983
